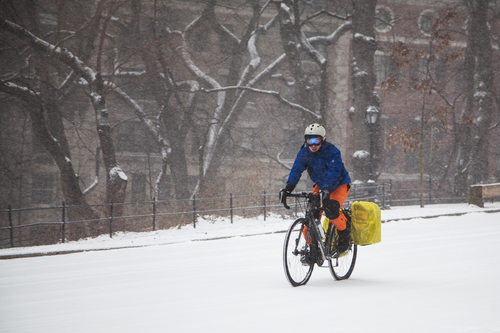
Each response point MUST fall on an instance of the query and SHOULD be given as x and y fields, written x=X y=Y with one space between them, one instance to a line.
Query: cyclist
x=323 y=162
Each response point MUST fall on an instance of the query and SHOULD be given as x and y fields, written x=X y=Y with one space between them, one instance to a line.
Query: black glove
x=284 y=192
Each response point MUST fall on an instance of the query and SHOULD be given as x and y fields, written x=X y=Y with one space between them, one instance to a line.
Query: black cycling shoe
x=308 y=256
x=343 y=241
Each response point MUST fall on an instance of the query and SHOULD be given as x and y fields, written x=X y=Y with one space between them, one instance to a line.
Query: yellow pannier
x=366 y=223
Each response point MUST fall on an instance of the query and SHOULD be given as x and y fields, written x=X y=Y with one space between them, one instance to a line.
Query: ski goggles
x=313 y=141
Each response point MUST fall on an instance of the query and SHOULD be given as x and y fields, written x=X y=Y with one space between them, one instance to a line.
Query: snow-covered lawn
x=427 y=275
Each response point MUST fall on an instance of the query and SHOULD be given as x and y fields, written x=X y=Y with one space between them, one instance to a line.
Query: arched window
x=426 y=21
x=383 y=19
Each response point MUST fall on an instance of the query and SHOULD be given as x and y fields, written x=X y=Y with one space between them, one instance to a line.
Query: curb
x=53 y=253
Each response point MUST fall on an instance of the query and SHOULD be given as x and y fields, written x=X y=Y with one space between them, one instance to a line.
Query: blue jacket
x=325 y=169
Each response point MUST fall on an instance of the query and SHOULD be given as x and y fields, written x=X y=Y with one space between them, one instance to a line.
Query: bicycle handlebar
x=296 y=195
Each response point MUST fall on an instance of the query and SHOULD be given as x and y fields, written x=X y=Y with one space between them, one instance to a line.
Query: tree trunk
x=484 y=93
x=291 y=35
x=363 y=83
x=473 y=130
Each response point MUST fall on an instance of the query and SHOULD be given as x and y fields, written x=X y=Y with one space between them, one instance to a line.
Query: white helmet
x=315 y=130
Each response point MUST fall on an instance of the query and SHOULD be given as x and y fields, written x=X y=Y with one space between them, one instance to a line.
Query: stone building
x=264 y=129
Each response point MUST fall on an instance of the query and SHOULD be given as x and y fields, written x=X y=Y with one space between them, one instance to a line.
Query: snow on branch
x=367 y=39
x=333 y=37
x=326 y=13
x=254 y=62
x=271 y=93
x=163 y=144
x=16 y=90
x=311 y=50
x=59 y=53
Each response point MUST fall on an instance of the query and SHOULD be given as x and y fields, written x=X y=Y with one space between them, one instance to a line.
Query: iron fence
x=51 y=225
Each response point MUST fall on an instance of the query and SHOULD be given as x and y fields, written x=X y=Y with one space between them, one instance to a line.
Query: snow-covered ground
x=435 y=274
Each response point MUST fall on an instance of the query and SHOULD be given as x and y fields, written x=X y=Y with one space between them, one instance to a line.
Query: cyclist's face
x=314 y=148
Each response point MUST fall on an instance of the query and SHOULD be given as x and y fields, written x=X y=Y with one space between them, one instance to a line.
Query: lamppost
x=371 y=118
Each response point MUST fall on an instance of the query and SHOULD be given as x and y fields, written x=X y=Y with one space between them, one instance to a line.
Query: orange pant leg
x=340 y=194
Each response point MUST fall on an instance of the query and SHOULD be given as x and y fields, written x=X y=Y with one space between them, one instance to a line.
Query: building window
x=133 y=137
x=248 y=138
x=383 y=19
x=385 y=69
x=48 y=19
x=290 y=93
x=293 y=140
x=380 y=66
x=41 y=154
x=314 y=5
x=201 y=39
x=440 y=75
x=390 y=160
x=138 y=187
x=226 y=45
x=426 y=21
x=165 y=188
x=423 y=69
x=223 y=78
x=459 y=77
x=42 y=188
x=418 y=72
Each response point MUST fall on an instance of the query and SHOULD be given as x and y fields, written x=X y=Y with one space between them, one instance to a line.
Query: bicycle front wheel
x=342 y=266
x=296 y=251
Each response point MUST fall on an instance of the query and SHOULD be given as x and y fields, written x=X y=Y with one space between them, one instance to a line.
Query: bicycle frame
x=304 y=245
x=315 y=235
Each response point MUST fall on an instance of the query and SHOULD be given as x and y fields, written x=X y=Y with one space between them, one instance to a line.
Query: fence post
x=194 y=211
x=11 y=229
x=383 y=195
x=430 y=190
x=231 y=206
x=64 y=222
x=264 y=205
x=154 y=213
x=111 y=220
x=390 y=190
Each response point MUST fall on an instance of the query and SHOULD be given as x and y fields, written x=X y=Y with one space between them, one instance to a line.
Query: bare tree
x=364 y=46
x=46 y=116
x=274 y=56
x=243 y=80
x=428 y=65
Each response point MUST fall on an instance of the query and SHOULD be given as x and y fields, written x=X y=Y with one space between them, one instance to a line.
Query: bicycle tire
x=295 y=248
x=341 y=267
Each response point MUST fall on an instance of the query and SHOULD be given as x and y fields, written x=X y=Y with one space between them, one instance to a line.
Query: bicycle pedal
x=306 y=261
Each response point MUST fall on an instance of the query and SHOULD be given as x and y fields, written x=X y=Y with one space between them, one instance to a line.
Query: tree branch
x=267 y=92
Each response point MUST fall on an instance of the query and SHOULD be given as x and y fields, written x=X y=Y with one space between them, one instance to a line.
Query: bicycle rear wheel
x=342 y=266
x=295 y=254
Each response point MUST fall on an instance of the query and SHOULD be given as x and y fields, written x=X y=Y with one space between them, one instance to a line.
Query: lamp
x=371 y=118
x=372 y=115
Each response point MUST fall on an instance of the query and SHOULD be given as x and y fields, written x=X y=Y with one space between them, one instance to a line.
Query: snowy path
x=427 y=275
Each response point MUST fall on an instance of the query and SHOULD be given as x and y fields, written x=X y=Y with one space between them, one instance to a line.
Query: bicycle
x=300 y=256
